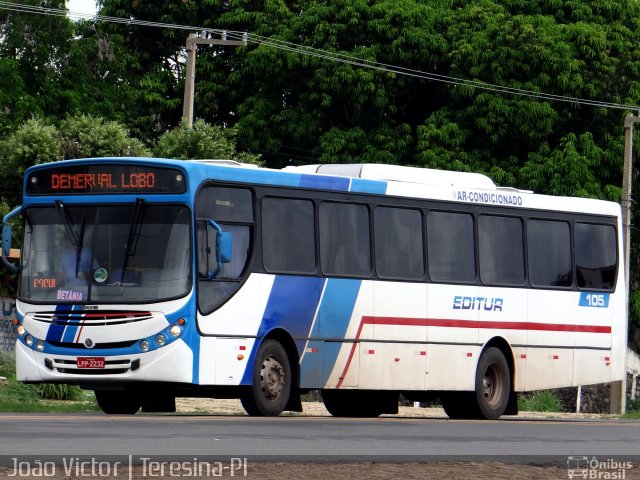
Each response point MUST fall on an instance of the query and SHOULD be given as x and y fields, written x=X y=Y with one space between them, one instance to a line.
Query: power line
x=324 y=55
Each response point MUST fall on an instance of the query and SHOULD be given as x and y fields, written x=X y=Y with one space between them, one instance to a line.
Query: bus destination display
x=104 y=179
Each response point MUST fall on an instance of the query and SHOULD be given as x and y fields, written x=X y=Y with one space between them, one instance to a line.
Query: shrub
x=542 y=401
x=49 y=391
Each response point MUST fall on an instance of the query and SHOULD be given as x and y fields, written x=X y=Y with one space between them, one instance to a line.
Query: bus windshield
x=105 y=254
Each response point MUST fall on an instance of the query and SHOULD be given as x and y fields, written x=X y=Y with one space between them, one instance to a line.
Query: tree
x=203 y=141
x=85 y=136
x=154 y=57
x=32 y=48
x=51 y=67
x=33 y=143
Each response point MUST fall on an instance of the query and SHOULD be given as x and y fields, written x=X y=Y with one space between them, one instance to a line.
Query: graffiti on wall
x=7 y=328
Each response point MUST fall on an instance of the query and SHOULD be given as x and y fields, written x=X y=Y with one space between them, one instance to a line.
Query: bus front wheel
x=118 y=402
x=271 y=384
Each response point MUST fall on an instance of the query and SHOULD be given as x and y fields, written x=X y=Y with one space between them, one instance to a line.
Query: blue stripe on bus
x=325 y=183
x=291 y=306
x=56 y=331
x=275 y=177
x=368 y=186
x=332 y=322
x=70 y=331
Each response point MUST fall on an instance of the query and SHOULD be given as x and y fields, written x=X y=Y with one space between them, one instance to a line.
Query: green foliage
x=22 y=392
x=85 y=136
x=633 y=406
x=21 y=397
x=203 y=141
x=7 y=369
x=32 y=143
x=542 y=401
x=49 y=391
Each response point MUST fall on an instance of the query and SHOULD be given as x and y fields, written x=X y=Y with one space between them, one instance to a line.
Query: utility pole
x=618 y=398
x=190 y=77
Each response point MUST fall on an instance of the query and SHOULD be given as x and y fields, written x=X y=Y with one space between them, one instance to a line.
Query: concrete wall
x=7 y=328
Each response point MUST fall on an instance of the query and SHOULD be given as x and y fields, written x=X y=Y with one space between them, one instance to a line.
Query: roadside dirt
x=233 y=407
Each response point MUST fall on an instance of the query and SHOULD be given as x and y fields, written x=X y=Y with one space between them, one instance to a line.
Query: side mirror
x=6 y=240
x=214 y=246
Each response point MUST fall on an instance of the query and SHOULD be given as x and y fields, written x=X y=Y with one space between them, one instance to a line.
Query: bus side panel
x=503 y=314
x=339 y=323
x=395 y=358
x=453 y=348
x=239 y=320
x=593 y=348
x=331 y=357
x=550 y=340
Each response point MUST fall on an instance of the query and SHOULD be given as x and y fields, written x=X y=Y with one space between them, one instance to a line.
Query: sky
x=82 y=6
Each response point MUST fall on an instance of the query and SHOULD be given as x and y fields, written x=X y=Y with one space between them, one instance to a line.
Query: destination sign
x=104 y=179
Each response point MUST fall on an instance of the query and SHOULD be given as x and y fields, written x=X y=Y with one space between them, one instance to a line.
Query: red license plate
x=90 y=362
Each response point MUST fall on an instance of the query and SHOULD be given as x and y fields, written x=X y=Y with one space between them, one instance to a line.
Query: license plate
x=90 y=362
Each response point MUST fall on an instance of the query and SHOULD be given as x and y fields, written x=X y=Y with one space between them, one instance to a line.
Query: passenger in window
x=77 y=265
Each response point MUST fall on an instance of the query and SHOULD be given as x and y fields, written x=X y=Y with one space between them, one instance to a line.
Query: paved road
x=316 y=438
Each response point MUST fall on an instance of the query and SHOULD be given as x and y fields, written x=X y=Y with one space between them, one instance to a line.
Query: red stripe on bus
x=445 y=322
x=453 y=323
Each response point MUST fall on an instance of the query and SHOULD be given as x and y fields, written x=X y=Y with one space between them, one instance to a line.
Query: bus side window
x=595 y=256
x=549 y=253
x=345 y=246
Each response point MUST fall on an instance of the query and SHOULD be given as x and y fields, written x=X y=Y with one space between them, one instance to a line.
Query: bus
x=149 y=279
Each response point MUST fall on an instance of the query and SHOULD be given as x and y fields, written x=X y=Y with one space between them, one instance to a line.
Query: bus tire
x=271 y=386
x=118 y=402
x=493 y=384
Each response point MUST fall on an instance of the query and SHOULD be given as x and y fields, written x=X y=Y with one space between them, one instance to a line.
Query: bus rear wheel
x=493 y=384
x=492 y=390
x=271 y=386
x=118 y=402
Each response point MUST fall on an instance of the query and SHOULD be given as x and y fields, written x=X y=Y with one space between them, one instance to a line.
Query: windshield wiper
x=76 y=237
x=134 y=234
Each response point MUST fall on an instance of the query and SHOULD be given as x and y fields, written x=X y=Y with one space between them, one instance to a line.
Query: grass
x=542 y=401
x=633 y=409
x=19 y=397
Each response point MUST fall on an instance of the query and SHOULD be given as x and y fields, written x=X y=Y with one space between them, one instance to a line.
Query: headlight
x=161 y=340
x=40 y=345
x=21 y=330
x=175 y=330
x=144 y=345
x=28 y=340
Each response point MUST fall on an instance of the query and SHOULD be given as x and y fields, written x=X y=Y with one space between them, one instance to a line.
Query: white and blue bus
x=148 y=279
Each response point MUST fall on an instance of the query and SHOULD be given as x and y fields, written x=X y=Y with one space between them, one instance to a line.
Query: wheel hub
x=272 y=379
x=492 y=384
